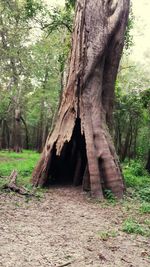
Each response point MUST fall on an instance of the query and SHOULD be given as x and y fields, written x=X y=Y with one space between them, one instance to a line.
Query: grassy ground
x=23 y=162
x=136 y=204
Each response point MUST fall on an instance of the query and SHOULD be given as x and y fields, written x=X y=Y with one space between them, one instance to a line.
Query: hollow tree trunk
x=80 y=146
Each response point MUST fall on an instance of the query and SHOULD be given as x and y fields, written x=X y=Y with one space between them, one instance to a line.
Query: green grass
x=23 y=162
x=147 y=222
x=105 y=235
x=131 y=226
x=137 y=178
x=110 y=196
x=145 y=208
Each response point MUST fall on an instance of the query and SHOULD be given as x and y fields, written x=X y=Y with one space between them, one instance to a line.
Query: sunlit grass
x=23 y=163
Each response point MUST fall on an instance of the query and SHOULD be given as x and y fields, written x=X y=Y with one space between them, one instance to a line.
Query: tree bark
x=125 y=147
x=26 y=133
x=17 y=131
x=148 y=162
x=87 y=102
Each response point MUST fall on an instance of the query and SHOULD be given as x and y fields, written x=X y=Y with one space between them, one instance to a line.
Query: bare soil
x=63 y=229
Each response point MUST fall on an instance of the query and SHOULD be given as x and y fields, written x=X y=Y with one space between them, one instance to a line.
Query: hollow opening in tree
x=68 y=168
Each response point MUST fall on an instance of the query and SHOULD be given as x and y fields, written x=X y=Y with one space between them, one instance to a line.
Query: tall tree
x=16 y=24
x=14 y=31
x=80 y=148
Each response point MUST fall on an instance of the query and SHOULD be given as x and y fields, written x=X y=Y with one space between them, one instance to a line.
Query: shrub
x=137 y=178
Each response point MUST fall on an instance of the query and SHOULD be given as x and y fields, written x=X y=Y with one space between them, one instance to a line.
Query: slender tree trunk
x=87 y=100
x=4 y=134
x=1 y=130
x=118 y=137
x=148 y=162
x=135 y=141
x=26 y=133
x=44 y=134
x=125 y=147
x=7 y=134
x=17 y=132
x=129 y=151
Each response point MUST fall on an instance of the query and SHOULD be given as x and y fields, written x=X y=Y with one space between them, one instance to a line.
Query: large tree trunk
x=80 y=148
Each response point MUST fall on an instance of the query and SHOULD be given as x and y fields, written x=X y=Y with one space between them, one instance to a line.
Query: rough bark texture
x=80 y=148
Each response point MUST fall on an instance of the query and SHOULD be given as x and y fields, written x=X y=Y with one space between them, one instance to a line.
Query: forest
x=74 y=134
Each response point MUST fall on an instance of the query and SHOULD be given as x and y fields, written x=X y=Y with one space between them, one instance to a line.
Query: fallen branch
x=65 y=264
x=11 y=185
x=3 y=177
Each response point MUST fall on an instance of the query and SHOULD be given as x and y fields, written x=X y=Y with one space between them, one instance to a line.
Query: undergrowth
x=137 y=179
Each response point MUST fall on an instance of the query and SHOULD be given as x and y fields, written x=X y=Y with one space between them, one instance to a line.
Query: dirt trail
x=63 y=229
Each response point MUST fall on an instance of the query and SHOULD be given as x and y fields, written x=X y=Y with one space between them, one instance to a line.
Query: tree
x=146 y=102
x=80 y=147
x=128 y=117
x=131 y=113
x=16 y=25
x=42 y=102
x=14 y=33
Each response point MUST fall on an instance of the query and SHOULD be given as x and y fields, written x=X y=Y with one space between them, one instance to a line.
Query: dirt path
x=63 y=229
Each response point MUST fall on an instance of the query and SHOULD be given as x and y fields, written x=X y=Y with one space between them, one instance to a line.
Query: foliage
x=70 y=3
x=145 y=207
x=131 y=226
x=137 y=177
x=131 y=115
x=135 y=174
x=144 y=193
x=128 y=34
x=32 y=8
x=109 y=196
x=31 y=69
x=60 y=19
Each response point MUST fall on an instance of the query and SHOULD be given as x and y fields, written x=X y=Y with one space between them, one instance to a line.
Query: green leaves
x=32 y=7
x=60 y=19
x=70 y=3
x=128 y=34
